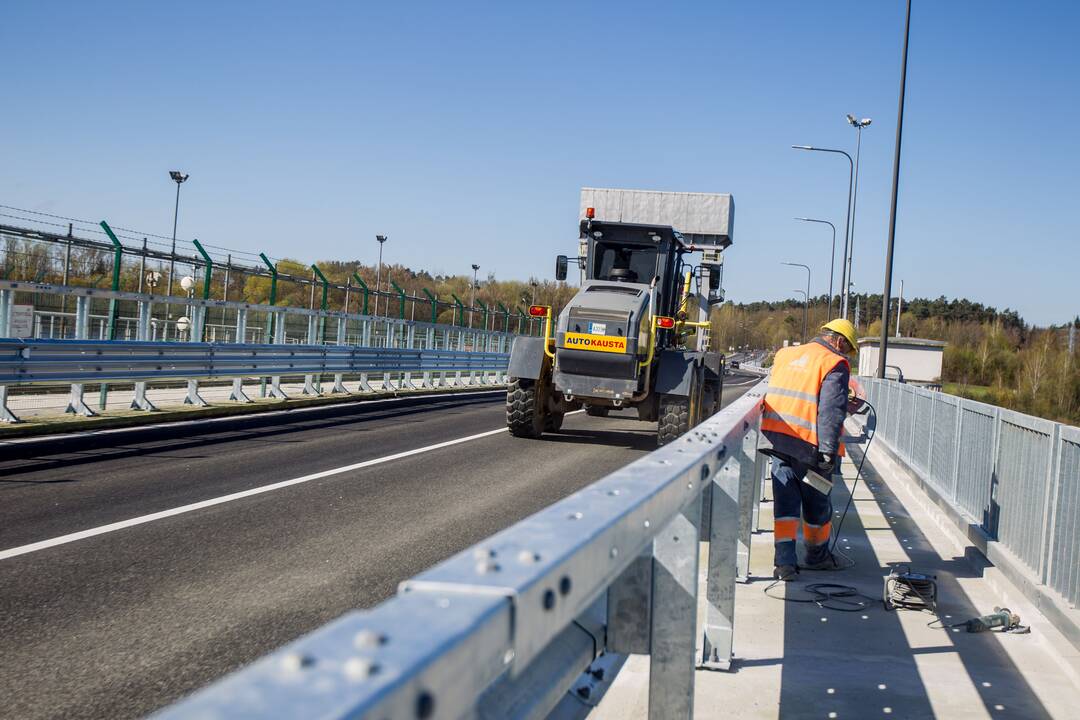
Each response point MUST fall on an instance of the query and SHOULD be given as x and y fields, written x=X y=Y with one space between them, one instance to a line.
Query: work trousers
x=794 y=500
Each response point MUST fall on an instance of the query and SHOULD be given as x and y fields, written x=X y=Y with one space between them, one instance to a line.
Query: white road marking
x=113 y=527
x=143 y=519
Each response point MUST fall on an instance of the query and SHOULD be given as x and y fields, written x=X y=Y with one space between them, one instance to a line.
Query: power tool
x=1003 y=618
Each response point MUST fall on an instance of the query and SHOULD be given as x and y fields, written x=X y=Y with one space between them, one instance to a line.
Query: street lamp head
x=381 y=238
x=475 y=266
x=851 y=119
x=178 y=176
x=856 y=122
x=802 y=147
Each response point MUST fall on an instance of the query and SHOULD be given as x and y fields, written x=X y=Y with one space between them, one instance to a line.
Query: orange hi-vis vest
x=791 y=402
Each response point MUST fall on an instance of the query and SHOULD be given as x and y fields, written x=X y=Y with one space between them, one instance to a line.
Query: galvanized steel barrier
x=535 y=620
x=1015 y=476
x=334 y=343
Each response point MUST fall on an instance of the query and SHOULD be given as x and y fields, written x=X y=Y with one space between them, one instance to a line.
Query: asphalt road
x=117 y=596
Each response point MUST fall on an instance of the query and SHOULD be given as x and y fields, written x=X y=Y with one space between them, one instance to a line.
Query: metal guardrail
x=511 y=626
x=1015 y=476
x=333 y=343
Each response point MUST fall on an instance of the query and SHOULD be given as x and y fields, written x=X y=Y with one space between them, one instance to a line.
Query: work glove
x=826 y=462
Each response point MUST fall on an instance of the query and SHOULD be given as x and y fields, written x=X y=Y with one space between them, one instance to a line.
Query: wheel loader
x=636 y=333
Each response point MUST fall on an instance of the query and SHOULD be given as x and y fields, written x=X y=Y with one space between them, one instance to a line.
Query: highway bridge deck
x=138 y=566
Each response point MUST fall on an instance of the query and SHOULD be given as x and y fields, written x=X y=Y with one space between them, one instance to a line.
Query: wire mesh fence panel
x=1017 y=513
x=943 y=447
x=923 y=419
x=907 y=419
x=976 y=463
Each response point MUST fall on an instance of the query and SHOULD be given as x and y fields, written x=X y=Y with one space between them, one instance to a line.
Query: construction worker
x=804 y=412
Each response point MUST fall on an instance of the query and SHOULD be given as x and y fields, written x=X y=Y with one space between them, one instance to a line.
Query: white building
x=917 y=360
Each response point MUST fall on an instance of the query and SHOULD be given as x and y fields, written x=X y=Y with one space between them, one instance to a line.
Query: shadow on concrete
x=875 y=663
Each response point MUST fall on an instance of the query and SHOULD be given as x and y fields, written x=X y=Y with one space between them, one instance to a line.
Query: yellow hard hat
x=843 y=327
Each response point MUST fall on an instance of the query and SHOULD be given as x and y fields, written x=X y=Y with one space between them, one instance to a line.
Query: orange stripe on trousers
x=785 y=529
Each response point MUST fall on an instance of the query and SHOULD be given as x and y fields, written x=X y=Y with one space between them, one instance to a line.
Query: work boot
x=785 y=573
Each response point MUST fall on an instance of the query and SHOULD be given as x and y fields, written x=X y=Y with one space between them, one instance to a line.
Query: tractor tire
x=553 y=422
x=674 y=418
x=597 y=411
x=525 y=416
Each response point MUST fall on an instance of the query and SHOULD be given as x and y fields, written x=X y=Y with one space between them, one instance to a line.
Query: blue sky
x=465 y=130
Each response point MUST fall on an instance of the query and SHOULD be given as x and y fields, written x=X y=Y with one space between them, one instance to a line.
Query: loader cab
x=636 y=255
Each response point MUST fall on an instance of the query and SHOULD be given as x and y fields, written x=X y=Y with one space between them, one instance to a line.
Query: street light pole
x=845 y=283
x=892 y=206
x=806 y=308
x=858 y=125
x=806 y=299
x=832 y=257
x=381 y=239
x=472 y=294
x=177 y=177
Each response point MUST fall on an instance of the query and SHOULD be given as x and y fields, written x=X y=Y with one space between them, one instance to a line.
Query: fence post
x=118 y=254
x=279 y=339
x=401 y=300
x=364 y=289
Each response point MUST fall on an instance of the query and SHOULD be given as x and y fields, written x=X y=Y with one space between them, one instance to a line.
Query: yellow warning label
x=602 y=343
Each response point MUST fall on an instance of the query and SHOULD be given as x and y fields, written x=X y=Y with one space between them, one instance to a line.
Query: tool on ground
x=1003 y=618
x=909 y=590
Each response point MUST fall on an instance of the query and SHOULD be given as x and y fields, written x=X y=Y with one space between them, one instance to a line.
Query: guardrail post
x=674 y=616
x=311 y=387
x=6 y=298
x=279 y=339
x=339 y=386
x=629 y=613
x=410 y=340
x=76 y=404
x=5 y=323
x=140 y=401
x=238 y=393
x=724 y=560
x=198 y=322
x=5 y=413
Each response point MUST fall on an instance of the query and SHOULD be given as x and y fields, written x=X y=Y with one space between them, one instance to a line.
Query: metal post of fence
x=434 y=306
x=401 y=299
x=270 y=334
x=364 y=289
x=674 y=616
x=118 y=254
x=460 y=307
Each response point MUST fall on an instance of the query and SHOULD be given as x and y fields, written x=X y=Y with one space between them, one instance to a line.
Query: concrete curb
x=137 y=419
